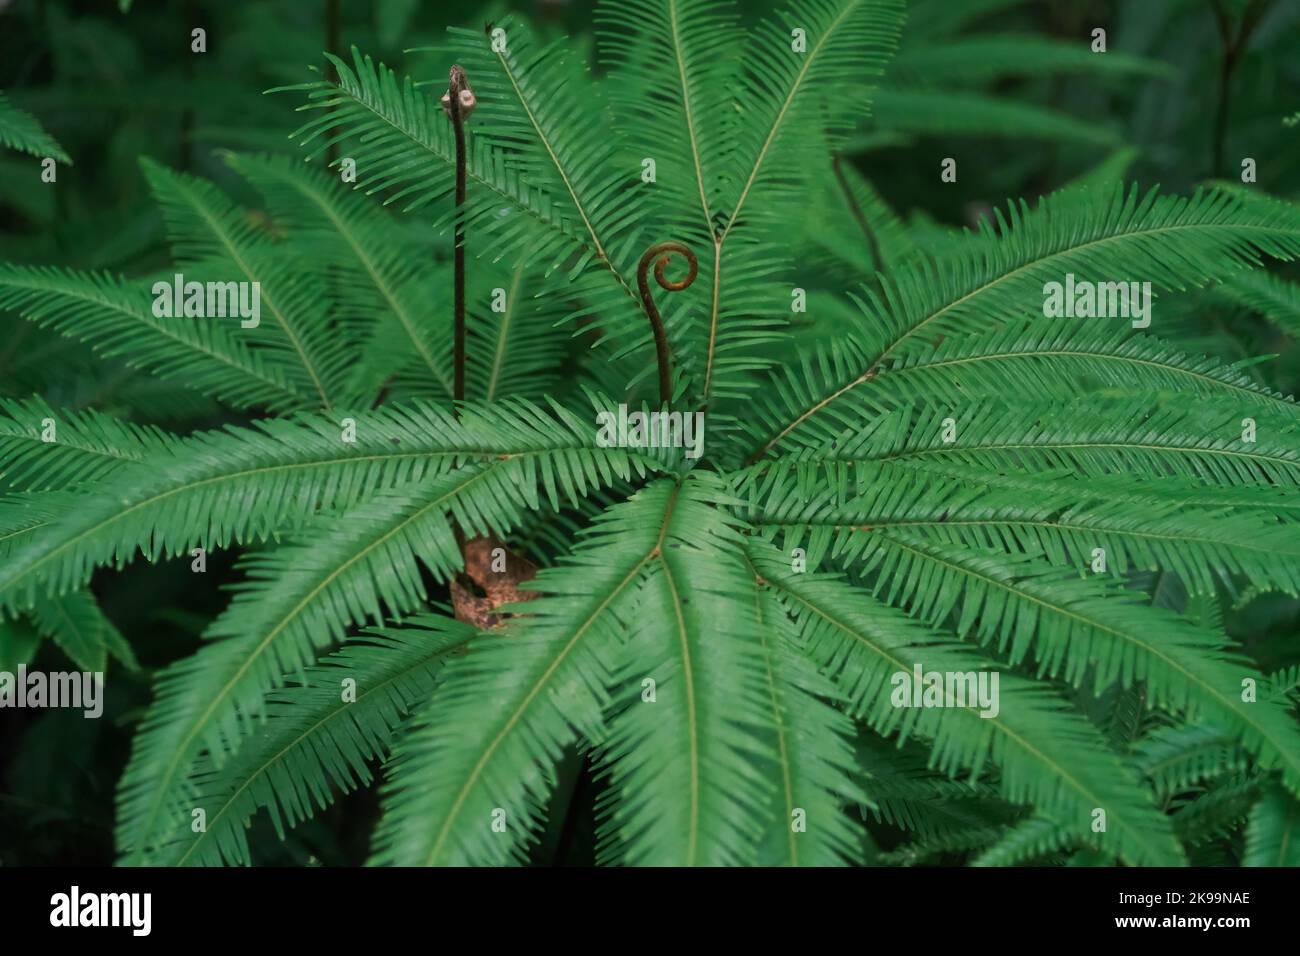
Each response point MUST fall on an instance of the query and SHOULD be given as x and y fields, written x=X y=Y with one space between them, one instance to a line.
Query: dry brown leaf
x=495 y=585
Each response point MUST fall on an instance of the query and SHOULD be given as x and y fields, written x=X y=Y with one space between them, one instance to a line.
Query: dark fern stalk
x=332 y=45
x=1233 y=47
x=458 y=103
x=187 y=115
x=659 y=254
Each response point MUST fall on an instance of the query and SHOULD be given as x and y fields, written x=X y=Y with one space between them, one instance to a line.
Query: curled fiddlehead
x=659 y=254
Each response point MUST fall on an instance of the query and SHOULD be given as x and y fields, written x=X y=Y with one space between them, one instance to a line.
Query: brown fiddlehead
x=659 y=254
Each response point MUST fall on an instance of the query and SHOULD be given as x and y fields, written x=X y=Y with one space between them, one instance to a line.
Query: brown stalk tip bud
x=458 y=86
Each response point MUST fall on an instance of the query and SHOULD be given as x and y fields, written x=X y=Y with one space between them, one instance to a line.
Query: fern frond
x=675 y=66
x=1092 y=634
x=555 y=136
x=298 y=599
x=1095 y=437
x=1273 y=833
x=906 y=793
x=1220 y=810
x=484 y=750
x=814 y=759
x=853 y=224
x=1278 y=503
x=1177 y=758
x=20 y=131
x=793 y=104
x=848 y=44
x=208 y=232
x=1271 y=296
x=23 y=515
x=115 y=318
x=1065 y=523
x=373 y=275
x=1103 y=178
x=996 y=276
x=318 y=740
x=863 y=642
x=242 y=485
x=518 y=351
x=80 y=628
x=1059 y=361
x=412 y=160
x=1284 y=683
x=85 y=446
x=685 y=790
x=670 y=63
x=1034 y=838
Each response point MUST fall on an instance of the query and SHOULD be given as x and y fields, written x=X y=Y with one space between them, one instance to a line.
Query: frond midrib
x=1256 y=392
x=869 y=525
x=1018 y=446
x=721 y=238
x=498 y=356
x=778 y=713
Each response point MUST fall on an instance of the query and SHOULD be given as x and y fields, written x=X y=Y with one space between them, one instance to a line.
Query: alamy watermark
x=1084 y=300
x=133 y=911
x=79 y=690
x=651 y=430
x=212 y=300
x=946 y=689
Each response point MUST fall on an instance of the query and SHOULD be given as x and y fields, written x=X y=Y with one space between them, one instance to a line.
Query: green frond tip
x=115 y=317
x=42 y=449
x=82 y=631
x=211 y=235
x=1087 y=632
x=20 y=131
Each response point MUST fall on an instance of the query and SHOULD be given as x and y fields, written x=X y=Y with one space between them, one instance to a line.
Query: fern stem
x=1232 y=48
x=873 y=244
x=331 y=73
x=457 y=84
x=659 y=254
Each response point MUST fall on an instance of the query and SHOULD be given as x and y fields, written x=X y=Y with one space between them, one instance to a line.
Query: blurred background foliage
x=1010 y=89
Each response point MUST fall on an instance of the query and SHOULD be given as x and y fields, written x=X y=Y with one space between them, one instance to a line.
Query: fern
x=920 y=472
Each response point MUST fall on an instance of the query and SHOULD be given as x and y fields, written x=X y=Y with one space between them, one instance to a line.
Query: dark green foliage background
x=113 y=86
